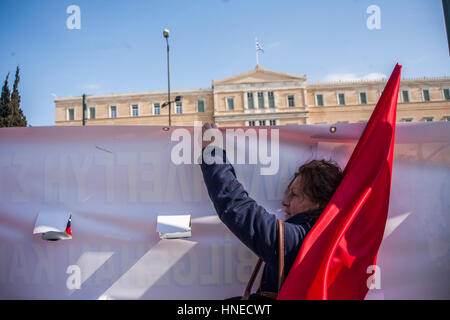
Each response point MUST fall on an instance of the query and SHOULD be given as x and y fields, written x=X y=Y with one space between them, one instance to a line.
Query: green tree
x=5 y=99
x=11 y=114
x=18 y=119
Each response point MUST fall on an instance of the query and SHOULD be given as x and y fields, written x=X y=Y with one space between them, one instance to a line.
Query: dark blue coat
x=252 y=224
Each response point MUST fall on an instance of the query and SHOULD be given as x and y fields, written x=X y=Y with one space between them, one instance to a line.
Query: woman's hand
x=213 y=134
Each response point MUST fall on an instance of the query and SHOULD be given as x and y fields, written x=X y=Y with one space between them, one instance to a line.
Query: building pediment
x=258 y=75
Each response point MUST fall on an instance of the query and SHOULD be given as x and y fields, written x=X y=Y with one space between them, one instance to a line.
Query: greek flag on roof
x=258 y=46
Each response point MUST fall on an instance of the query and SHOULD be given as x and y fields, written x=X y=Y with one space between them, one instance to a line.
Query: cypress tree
x=5 y=99
x=18 y=119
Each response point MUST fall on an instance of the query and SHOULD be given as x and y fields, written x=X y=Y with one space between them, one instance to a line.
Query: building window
x=91 y=112
x=341 y=98
x=178 y=107
x=134 y=110
x=291 y=101
x=251 y=103
x=230 y=103
x=201 y=105
x=156 y=108
x=260 y=100
x=446 y=93
x=273 y=122
x=70 y=114
x=271 y=99
x=113 y=111
x=251 y=123
x=262 y=122
x=319 y=100
x=428 y=119
x=426 y=94
x=406 y=120
x=363 y=98
x=446 y=118
x=405 y=95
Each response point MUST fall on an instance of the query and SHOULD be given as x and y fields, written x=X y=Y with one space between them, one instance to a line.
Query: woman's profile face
x=295 y=201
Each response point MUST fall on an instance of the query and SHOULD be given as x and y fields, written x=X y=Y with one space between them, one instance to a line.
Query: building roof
x=258 y=75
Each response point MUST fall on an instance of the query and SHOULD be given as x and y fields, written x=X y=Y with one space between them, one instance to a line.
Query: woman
x=307 y=195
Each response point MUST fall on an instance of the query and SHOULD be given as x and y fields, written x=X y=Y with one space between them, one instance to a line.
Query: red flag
x=335 y=255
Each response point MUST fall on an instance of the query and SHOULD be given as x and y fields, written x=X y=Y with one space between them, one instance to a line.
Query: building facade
x=261 y=97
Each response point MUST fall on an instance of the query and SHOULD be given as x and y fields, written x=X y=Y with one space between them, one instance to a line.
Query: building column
x=215 y=104
x=245 y=99
x=305 y=103
x=305 y=99
x=255 y=100
x=266 y=99
x=275 y=99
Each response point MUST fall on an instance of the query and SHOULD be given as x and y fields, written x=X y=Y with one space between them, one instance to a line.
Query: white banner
x=114 y=181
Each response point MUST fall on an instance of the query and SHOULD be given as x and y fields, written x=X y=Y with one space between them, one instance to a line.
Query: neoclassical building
x=261 y=97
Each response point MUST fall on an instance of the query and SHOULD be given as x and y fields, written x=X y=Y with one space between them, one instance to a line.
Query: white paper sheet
x=51 y=221
x=174 y=226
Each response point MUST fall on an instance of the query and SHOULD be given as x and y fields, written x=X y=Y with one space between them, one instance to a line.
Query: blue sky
x=120 y=47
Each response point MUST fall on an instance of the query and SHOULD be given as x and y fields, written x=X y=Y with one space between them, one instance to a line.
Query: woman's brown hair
x=319 y=180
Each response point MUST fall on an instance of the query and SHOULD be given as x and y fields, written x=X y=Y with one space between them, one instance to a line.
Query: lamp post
x=166 y=35
x=84 y=109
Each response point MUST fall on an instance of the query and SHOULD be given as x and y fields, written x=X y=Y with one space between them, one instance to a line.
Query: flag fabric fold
x=335 y=259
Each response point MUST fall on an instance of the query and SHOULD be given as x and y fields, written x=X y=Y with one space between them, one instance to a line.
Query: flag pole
x=257 y=61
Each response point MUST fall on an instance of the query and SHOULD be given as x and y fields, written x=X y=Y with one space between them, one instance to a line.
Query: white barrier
x=116 y=180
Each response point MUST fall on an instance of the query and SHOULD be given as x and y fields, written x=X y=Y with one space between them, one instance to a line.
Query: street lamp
x=177 y=99
x=166 y=35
